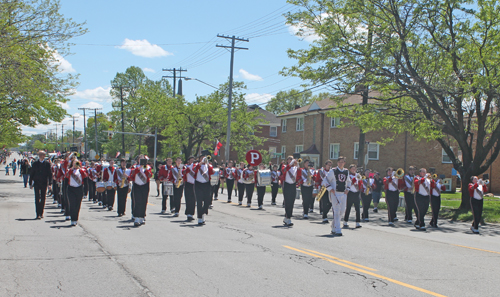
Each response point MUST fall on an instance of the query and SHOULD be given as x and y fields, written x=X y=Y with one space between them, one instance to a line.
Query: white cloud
x=63 y=65
x=91 y=105
x=146 y=69
x=248 y=76
x=256 y=98
x=64 y=105
x=302 y=32
x=98 y=94
x=143 y=48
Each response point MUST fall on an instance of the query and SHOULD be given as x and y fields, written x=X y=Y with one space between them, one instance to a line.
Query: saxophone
x=368 y=186
x=179 y=178
x=309 y=181
x=124 y=178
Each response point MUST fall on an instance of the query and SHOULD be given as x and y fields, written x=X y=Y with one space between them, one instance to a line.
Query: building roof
x=312 y=150
x=267 y=116
x=329 y=103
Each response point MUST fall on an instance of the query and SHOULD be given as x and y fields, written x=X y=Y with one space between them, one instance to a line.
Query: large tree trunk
x=465 y=180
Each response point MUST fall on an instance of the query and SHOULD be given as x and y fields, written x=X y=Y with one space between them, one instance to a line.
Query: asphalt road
x=239 y=252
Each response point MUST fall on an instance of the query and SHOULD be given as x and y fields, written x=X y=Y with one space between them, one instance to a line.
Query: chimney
x=297 y=106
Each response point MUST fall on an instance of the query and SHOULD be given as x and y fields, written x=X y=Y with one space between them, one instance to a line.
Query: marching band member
x=177 y=178
x=377 y=192
x=249 y=177
x=98 y=175
x=409 y=192
x=75 y=176
x=261 y=190
x=391 y=186
x=367 y=193
x=275 y=183
x=436 y=188
x=476 y=192
x=422 y=188
x=240 y=182
x=55 y=184
x=140 y=177
x=202 y=171
x=40 y=178
x=324 y=204
x=121 y=180
x=289 y=188
x=163 y=175
x=215 y=188
x=353 y=196
x=92 y=182
x=189 y=193
x=230 y=175
x=339 y=188
x=222 y=177
x=61 y=175
x=306 y=181
x=86 y=166
x=108 y=176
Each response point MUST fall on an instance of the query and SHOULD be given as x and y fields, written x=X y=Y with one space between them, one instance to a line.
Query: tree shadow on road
x=63 y=227
x=24 y=220
x=191 y=225
x=55 y=221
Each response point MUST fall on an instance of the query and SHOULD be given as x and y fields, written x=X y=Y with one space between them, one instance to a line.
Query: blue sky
x=170 y=34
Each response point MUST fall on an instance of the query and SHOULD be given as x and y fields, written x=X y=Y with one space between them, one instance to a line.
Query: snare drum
x=168 y=188
x=264 y=178
x=214 y=179
x=110 y=185
x=100 y=187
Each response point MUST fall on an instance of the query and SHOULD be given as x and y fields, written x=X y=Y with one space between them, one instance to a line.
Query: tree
x=286 y=101
x=433 y=63
x=33 y=37
x=192 y=126
x=38 y=145
x=103 y=124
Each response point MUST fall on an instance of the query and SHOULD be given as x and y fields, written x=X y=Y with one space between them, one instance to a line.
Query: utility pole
x=229 y=103
x=84 y=130
x=123 y=116
x=95 y=125
x=62 y=133
x=74 y=120
x=180 y=70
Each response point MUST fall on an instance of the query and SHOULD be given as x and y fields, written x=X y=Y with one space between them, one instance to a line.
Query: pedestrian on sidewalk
x=25 y=171
x=7 y=170
x=40 y=179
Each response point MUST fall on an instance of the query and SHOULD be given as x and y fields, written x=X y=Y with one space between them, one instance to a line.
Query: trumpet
x=483 y=182
x=299 y=160
x=400 y=173
x=434 y=176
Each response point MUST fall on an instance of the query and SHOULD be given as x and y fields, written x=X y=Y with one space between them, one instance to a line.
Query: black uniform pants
x=241 y=191
x=122 y=199
x=203 y=198
x=230 y=185
x=66 y=205
x=422 y=204
x=215 y=190
x=86 y=182
x=40 y=193
x=261 y=191
x=367 y=201
x=190 y=199
x=92 y=194
x=274 y=191
x=477 y=211
x=392 y=201
x=435 y=206
x=307 y=197
x=141 y=194
x=289 y=193
x=110 y=197
x=75 y=195
x=55 y=192
x=249 y=188
x=165 y=198
x=409 y=205
x=325 y=205
x=352 y=198
x=177 y=198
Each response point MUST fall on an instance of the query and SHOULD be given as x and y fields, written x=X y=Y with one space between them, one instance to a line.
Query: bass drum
x=214 y=179
x=100 y=187
x=263 y=178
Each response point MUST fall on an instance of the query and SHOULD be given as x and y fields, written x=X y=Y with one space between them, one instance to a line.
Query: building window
x=335 y=122
x=299 y=148
x=373 y=151
x=283 y=151
x=283 y=125
x=300 y=124
x=273 y=131
x=334 y=151
x=445 y=159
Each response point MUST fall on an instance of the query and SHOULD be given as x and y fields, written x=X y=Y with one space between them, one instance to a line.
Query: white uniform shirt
x=110 y=175
x=409 y=182
x=353 y=188
x=329 y=180
x=304 y=177
x=288 y=177
x=476 y=194
x=437 y=188
x=199 y=177
x=190 y=178
x=229 y=172
x=175 y=174
x=72 y=181
x=275 y=177
x=121 y=171
x=137 y=179
x=239 y=171
x=422 y=190
x=391 y=184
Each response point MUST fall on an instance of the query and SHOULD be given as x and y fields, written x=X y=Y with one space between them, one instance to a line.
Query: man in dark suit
x=40 y=178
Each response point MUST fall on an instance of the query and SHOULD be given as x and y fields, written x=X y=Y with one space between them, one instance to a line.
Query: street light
x=188 y=78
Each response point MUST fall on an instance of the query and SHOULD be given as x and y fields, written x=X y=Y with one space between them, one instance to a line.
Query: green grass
x=491 y=211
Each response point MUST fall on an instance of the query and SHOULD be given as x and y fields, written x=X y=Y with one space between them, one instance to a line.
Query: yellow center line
x=150 y=203
x=368 y=272
x=473 y=248
x=338 y=259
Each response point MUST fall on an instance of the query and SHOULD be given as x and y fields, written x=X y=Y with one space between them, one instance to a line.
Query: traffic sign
x=73 y=149
x=96 y=157
x=253 y=157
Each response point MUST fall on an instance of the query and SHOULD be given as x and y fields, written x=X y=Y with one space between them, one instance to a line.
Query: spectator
x=25 y=171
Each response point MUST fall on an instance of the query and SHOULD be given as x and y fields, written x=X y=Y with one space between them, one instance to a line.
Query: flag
x=217 y=147
x=117 y=155
x=146 y=157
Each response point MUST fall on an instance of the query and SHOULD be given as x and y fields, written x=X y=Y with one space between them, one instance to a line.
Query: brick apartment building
x=268 y=130
x=309 y=131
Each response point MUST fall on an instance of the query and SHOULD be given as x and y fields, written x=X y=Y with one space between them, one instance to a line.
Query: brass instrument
x=209 y=157
x=321 y=193
x=434 y=176
x=400 y=173
x=368 y=186
x=309 y=177
x=358 y=178
x=179 y=178
x=124 y=178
